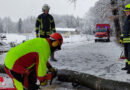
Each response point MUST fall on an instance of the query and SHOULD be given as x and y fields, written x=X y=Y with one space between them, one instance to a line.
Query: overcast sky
x=23 y=8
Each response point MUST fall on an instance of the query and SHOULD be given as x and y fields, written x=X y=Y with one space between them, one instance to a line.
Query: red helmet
x=58 y=37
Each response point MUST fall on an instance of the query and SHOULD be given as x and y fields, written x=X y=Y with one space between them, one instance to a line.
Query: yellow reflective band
x=53 y=29
x=38 y=20
x=37 y=28
x=18 y=84
x=31 y=66
x=126 y=40
x=51 y=21
x=41 y=24
x=127 y=60
x=41 y=32
x=48 y=33
x=121 y=41
x=122 y=35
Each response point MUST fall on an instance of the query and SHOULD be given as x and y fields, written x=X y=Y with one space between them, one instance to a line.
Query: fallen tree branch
x=91 y=81
x=87 y=80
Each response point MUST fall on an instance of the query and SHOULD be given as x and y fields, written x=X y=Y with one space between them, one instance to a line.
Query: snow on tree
x=20 y=26
x=8 y=25
x=1 y=26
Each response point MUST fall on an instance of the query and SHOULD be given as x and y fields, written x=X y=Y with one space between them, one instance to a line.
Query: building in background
x=66 y=32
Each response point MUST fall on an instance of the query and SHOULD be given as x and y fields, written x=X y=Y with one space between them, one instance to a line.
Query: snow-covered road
x=100 y=59
x=84 y=55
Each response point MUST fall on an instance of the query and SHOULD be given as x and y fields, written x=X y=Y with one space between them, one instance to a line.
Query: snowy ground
x=81 y=53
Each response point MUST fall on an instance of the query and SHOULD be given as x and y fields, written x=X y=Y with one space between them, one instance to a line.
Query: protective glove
x=121 y=41
x=51 y=69
x=43 y=83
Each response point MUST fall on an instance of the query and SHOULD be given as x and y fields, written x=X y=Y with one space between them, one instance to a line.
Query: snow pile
x=15 y=38
x=78 y=38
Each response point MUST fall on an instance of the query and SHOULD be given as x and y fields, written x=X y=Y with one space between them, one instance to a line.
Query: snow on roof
x=66 y=29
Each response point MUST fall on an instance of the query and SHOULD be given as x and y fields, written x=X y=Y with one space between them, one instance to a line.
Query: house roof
x=66 y=29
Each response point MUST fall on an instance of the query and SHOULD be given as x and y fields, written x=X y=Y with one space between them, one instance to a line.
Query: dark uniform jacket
x=126 y=29
x=45 y=24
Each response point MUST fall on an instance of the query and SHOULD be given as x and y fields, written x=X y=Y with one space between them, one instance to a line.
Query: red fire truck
x=102 y=32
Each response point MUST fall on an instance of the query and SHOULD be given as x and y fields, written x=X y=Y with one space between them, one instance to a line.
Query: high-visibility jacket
x=31 y=53
x=126 y=31
x=45 y=24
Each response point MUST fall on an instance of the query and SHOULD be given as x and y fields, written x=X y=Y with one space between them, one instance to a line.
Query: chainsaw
x=51 y=76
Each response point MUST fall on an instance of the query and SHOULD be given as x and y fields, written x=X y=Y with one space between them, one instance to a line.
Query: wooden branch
x=87 y=80
x=91 y=81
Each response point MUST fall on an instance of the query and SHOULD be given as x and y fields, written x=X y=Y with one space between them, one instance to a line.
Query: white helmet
x=45 y=7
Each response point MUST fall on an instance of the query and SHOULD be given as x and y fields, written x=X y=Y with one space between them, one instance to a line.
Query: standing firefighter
x=45 y=25
x=126 y=38
x=28 y=61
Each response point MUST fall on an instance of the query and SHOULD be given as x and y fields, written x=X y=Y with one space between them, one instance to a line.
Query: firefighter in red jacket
x=28 y=61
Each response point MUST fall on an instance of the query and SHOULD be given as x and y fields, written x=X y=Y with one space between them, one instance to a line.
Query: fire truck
x=102 y=32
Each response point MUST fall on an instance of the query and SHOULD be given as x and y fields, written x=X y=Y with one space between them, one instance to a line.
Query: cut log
x=87 y=80
x=91 y=81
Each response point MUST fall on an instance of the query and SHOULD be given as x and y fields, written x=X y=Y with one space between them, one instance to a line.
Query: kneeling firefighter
x=28 y=61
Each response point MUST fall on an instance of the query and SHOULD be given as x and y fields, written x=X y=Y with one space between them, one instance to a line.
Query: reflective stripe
x=17 y=84
x=53 y=29
x=31 y=66
x=41 y=24
x=48 y=33
x=51 y=21
x=126 y=40
x=41 y=32
x=122 y=35
x=127 y=60
x=37 y=28
x=38 y=20
x=41 y=27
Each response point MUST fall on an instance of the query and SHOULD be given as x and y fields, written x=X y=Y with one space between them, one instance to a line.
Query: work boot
x=124 y=68
x=53 y=59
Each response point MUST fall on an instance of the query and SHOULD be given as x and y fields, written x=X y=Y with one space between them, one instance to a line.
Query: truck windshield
x=101 y=30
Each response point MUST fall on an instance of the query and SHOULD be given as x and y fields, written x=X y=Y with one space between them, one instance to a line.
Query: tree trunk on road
x=91 y=81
